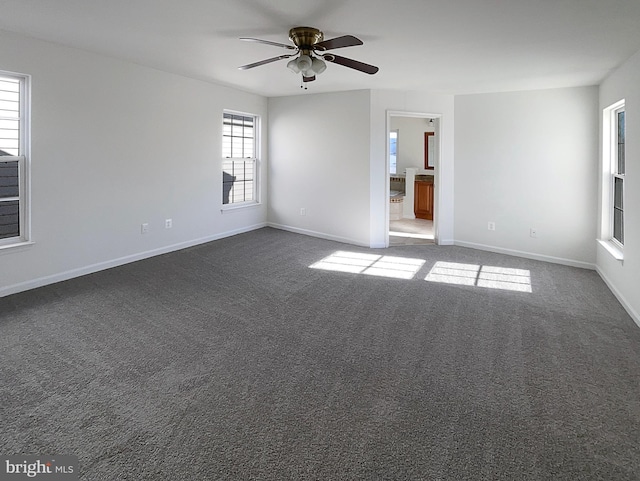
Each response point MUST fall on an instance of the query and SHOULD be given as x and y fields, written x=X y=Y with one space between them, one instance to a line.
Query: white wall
x=624 y=277
x=342 y=182
x=528 y=160
x=115 y=145
x=319 y=161
x=383 y=101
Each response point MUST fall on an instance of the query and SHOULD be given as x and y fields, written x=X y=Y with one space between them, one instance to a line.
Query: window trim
x=24 y=163
x=609 y=173
x=615 y=174
x=257 y=128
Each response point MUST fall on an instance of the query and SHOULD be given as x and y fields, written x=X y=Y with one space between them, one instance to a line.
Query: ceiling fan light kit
x=304 y=63
x=318 y=66
x=309 y=66
x=293 y=65
x=308 y=61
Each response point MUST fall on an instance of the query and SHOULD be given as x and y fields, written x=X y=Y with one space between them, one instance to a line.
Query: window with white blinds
x=239 y=158
x=13 y=168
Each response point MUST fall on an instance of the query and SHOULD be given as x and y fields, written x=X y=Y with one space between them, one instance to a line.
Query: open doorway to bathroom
x=413 y=159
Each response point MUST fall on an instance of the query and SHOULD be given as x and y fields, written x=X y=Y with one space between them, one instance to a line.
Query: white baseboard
x=445 y=242
x=100 y=266
x=320 y=235
x=627 y=307
x=527 y=255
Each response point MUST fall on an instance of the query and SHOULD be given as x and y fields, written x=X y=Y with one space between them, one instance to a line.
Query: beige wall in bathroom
x=410 y=141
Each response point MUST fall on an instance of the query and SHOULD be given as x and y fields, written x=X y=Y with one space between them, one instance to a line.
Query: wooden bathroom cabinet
x=423 y=199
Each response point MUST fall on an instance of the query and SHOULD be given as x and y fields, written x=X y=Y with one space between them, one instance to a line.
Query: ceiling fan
x=309 y=52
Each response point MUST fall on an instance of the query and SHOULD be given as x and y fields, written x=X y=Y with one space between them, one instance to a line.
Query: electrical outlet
x=533 y=233
x=144 y=228
x=491 y=226
x=303 y=211
x=168 y=223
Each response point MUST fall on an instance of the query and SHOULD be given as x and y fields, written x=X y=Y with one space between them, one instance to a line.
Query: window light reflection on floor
x=482 y=276
x=490 y=277
x=370 y=264
x=410 y=235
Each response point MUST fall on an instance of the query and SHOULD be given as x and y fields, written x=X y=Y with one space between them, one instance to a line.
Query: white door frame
x=436 y=179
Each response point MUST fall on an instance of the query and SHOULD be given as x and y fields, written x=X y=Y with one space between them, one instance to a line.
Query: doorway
x=413 y=158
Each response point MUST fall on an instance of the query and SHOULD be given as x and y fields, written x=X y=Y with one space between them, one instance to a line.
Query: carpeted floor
x=235 y=360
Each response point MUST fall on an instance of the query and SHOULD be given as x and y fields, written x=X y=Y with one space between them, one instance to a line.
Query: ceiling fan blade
x=268 y=42
x=338 y=42
x=264 y=62
x=308 y=79
x=354 y=64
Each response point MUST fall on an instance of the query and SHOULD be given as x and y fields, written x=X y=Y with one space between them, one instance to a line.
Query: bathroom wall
x=411 y=141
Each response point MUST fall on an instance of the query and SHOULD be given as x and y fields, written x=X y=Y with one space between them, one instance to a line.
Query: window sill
x=5 y=248
x=232 y=207
x=612 y=249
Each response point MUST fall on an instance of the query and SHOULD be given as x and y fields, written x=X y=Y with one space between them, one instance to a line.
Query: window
x=618 y=178
x=239 y=145
x=393 y=151
x=13 y=160
x=613 y=168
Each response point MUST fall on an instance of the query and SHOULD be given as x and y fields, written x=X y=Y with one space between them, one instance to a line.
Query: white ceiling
x=452 y=46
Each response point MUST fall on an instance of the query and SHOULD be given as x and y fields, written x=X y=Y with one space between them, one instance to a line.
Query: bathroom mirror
x=429 y=150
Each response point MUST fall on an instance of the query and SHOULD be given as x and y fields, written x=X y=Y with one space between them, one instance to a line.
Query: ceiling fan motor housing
x=305 y=37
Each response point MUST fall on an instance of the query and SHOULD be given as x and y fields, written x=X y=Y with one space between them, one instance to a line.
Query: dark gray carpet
x=234 y=360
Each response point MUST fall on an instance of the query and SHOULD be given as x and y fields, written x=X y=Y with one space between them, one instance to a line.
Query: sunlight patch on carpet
x=490 y=277
x=370 y=264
